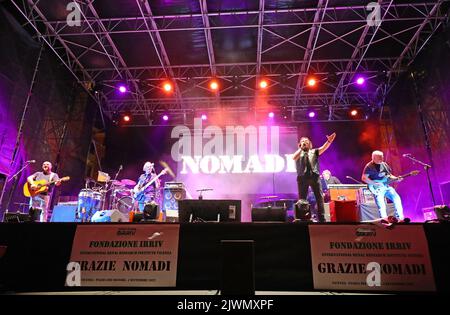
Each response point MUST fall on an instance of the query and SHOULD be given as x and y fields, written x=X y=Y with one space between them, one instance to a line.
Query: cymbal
x=117 y=183
x=128 y=182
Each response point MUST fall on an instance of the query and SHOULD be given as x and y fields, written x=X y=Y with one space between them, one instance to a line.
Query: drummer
x=150 y=194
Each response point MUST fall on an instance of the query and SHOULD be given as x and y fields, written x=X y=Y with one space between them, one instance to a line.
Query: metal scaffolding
x=283 y=43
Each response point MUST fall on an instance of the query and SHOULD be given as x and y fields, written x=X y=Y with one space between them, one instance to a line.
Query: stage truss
x=140 y=43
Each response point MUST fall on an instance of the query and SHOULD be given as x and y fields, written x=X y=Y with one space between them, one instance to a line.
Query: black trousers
x=303 y=183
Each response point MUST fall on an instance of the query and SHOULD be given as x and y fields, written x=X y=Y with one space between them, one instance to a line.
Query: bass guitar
x=41 y=186
x=385 y=181
x=138 y=191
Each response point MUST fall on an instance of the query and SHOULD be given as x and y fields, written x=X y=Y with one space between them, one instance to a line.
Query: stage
x=37 y=254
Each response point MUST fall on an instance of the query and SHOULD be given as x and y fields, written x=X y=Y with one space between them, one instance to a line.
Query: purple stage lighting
x=360 y=80
x=204 y=117
x=311 y=114
x=122 y=88
x=165 y=118
x=271 y=115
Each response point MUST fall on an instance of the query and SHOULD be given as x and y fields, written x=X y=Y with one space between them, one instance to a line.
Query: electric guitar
x=138 y=191
x=385 y=181
x=42 y=186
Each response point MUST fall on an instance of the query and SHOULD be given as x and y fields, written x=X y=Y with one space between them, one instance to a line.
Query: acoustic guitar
x=42 y=186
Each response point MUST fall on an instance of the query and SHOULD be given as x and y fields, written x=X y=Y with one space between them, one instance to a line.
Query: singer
x=377 y=174
x=151 y=194
x=40 y=202
x=308 y=173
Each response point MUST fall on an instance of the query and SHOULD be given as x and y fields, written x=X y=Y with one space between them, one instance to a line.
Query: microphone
x=120 y=167
x=31 y=161
x=407 y=155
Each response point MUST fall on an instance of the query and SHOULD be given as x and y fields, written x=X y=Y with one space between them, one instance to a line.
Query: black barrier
x=38 y=253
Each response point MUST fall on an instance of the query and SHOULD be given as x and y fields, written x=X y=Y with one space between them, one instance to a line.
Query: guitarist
x=375 y=171
x=150 y=195
x=41 y=201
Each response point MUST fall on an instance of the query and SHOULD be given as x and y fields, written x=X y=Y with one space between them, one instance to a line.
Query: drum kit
x=103 y=195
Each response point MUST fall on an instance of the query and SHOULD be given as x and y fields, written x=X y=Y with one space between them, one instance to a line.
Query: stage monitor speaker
x=441 y=212
x=109 y=216
x=64 y=213
x=16 y=217
x=210 y=210
x=238 y=267
x=346 y=211
x=170 y=200
x=269 y=214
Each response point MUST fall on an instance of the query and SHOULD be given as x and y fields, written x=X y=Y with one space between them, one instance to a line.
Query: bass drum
x=125 y=205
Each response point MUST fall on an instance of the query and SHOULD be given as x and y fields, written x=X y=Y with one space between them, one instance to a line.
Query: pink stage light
x=204 y=117
x=271 y=115
x=165 y=118
x=122 y=88
x=360 y=81
x=311 y=114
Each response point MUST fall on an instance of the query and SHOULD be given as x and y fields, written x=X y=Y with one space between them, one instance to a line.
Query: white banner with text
x=371 y=257
x=116 y=255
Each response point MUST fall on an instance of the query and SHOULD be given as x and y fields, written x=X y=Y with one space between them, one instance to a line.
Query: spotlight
x=204 y=117
x=271 y=115
x=165 y=118
x=311 y=114
x=213 y=85
x=263 y=84
x=360 y=81
x=122 y=88
x=311 y=82
x=167 y=86
x=354 y=112
x=126 y=118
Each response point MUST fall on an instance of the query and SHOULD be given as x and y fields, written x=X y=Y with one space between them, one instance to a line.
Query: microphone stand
x=357 y=181
x=426 y=168
x=106 y=189
x=13 y=186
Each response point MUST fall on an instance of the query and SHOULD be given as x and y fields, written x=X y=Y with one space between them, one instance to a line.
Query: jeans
x=303 y=183
x=41 y=202
x=392 y=195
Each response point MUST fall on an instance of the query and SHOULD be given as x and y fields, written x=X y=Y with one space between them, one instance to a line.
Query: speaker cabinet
x=269 y=214
x=440 y=212
x=170 y=200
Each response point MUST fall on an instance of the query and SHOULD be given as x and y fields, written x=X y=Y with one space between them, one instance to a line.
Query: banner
x=370 y=257
x=124 y=255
